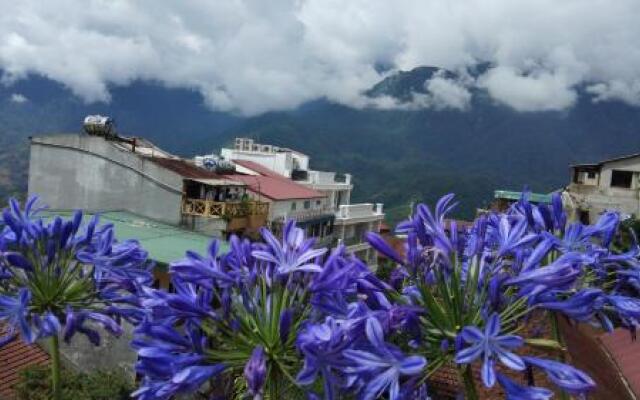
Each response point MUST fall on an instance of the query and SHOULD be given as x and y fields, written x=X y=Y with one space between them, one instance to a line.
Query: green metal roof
x=533 y=197
x=165 y=243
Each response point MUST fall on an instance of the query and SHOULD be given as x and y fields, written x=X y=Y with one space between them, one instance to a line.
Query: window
x=318 y=202
x=307 y=204
x=583 y=216
x=293 y=206
x=621 y=179
x=591 y=175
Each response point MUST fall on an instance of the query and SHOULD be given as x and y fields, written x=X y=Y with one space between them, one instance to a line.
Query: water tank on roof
x=99 y=125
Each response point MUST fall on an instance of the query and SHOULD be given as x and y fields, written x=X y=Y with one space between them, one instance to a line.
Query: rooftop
x=15 y=356
x=165 y=243
x=273 y=185
x=511 y=195
x=184 y=168
x=600 y=163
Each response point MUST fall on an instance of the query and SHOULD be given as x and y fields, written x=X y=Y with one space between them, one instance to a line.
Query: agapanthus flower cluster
x=269 y=320
x=61 y=277
x=281 y=318
x=477 y=288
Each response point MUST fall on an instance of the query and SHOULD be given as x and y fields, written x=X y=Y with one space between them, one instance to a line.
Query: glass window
x=293 y=206
x=307 y=204
x=621 y=179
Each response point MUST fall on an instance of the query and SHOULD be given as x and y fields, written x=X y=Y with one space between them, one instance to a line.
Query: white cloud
x=628 y=92
x=447 y=93
x=18 y=98
x=253 y=56
x=539 y=91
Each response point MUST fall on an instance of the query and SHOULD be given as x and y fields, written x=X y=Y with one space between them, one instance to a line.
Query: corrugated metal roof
x=184 y=168
x=14 y=357
x=165 y=243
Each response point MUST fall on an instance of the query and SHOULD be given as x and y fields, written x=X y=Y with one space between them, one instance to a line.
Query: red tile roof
x=15 y=356
x=276 y=188
x=273 y=185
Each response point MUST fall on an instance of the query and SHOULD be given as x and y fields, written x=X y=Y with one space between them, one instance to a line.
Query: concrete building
x=93 y=172
x=612 y=184
x=287 y=199
x=333 y=218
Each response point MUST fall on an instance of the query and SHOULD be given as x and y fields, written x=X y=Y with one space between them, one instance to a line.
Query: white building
x=608 y=185
x=348 y=222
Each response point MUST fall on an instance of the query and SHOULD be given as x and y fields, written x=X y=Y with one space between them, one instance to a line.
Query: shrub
x=35 y=384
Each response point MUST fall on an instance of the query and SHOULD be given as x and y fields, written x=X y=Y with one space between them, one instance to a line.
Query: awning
x=218 y=182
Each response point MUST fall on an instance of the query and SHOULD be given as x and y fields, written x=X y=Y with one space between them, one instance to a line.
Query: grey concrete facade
x=593 y=192
x=91 y=173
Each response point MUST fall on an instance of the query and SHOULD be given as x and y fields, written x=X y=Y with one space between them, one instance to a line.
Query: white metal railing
x=361 y=210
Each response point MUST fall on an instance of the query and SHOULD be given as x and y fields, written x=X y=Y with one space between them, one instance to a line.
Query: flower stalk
x=56 y=384
x=468 y=383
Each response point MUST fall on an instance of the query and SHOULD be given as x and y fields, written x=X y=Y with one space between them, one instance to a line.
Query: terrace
x=219 y=198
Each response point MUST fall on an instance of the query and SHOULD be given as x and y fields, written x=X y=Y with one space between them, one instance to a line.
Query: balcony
x=363 y=210
x=224 y=210
x=310 y=214
x=321 y=178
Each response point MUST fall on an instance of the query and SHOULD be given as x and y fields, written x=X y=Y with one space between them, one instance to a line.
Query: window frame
x=618 y=176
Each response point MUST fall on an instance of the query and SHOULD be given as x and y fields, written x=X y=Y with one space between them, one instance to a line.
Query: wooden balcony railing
x=219 y=209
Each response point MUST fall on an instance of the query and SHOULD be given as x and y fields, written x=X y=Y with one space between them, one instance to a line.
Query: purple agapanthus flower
x=510 y=234
x=293 y=254
x=171 y=362
x=14 y=311
x=323 y=347
x=90 y=274
x=381 y=366
x=255 y=372
x=490 y=345
x=377 y=242
x=514 y=391
x=564 y=376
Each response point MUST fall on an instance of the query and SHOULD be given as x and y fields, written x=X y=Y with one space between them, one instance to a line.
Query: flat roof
x=165 y=243
x=511 y=195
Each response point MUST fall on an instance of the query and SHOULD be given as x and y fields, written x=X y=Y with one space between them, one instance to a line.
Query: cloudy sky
x=254 y=56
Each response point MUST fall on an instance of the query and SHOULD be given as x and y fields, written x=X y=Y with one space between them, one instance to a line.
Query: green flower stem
x=466 y=375
x=557 y=335
x=55 y=368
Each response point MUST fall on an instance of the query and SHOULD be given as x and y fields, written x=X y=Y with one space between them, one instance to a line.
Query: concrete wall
x=88 y=172
x=209 y=226
x=631 y=164
x=280 y=163
x=113 y=353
